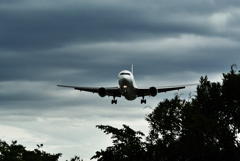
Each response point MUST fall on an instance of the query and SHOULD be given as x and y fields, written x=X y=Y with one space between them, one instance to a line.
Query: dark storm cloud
x=29 y=28
x=33 y=28
x=81 y=67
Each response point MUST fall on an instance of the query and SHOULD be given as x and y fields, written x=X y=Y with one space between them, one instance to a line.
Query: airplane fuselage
x=127 y=85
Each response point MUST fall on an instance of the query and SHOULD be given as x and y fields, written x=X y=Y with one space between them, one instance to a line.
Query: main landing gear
x=114 y=101
x=143 y=100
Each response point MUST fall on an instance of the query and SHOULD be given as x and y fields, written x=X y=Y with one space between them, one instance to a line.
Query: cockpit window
x=125 y=74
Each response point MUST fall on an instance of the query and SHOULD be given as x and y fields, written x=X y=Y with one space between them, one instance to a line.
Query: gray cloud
x=30 y=27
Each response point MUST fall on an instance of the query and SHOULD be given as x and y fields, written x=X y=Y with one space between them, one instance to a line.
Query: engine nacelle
x=102 y=92
x=153 y=91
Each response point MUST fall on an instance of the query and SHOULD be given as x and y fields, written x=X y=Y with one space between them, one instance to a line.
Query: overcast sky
x=87 y=43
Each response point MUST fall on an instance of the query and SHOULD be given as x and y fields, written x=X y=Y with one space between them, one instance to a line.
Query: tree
x=76 y=158
x=17 y=152
x=127 y=145
x=204 y=128
x=165 y=124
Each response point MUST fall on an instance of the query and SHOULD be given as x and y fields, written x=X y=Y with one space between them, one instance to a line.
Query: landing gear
x=143 y=100
x=114 y=101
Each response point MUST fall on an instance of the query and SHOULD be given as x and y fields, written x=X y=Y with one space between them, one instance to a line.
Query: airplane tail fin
x=132 y=69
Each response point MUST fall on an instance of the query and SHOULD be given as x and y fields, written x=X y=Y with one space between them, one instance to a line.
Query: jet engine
x=153 y=91
x=102 y=92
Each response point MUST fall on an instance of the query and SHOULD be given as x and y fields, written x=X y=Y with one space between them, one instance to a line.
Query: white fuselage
x=127 y=85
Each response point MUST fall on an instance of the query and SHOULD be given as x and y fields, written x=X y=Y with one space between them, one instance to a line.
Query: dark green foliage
x=204 y=128
x=76 y=158
x=15 y=152
x=127 y=145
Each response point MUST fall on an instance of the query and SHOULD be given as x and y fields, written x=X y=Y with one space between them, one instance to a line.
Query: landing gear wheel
x=114 y=101
x=143 y=101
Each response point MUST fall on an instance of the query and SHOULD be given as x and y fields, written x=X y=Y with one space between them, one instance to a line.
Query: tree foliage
x=17 y=152
x=204 y=128
x=127 y=145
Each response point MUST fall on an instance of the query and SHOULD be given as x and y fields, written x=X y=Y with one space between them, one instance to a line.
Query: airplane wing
x=160 y=90
x=152 y=91
x=102 y=91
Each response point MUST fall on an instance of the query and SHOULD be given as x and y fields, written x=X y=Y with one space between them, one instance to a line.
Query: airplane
x=127 y=88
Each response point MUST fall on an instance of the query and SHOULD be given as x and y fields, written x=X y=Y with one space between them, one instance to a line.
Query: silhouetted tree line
x=204 y=128
x=17 y=152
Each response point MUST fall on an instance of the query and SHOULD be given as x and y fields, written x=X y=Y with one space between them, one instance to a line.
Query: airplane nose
x=123 y=81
